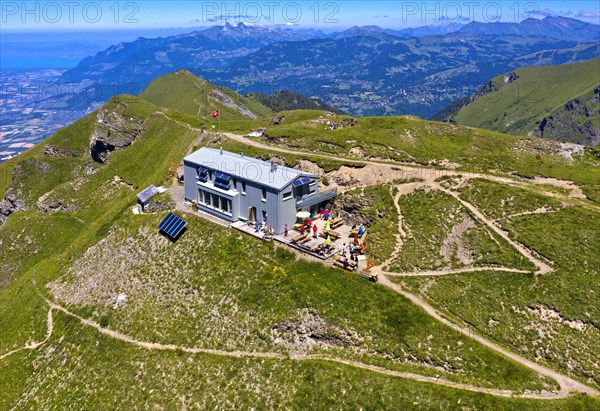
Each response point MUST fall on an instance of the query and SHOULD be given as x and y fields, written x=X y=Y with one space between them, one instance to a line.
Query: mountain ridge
x=557 y=102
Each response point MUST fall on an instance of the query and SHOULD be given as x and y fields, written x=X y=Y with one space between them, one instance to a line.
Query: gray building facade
x=235 y=187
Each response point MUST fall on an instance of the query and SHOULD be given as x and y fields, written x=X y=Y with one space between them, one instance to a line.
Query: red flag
x=216 y=114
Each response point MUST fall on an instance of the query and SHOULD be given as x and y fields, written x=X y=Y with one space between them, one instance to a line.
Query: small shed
x=180 y=176
x=145 y=196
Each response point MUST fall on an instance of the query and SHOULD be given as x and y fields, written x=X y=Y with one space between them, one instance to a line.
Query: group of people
x=355 y=248
x=306 y=229
x=265 y=228
x=324 y=249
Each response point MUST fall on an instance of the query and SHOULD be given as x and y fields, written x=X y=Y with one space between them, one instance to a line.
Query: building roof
x=147 y=194
x=246 y=168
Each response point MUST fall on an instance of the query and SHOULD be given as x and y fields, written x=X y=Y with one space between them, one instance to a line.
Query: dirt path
x=34 y=345
x=400 y=234
x=563 y=393
x=453 y=271
x=542 y=210
x=543 y=268
x=567 y=384
x=428 y=174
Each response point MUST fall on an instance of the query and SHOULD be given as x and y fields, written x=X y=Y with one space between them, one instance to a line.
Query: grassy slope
x=23 y=313
x=183 y=92
x=88 y=371
x=235 y=289
x=537 y=93
x=27 y=239
x=518 y=309
x=291 y=160
x=429 y=217
x=393 y=323
x=411 y=139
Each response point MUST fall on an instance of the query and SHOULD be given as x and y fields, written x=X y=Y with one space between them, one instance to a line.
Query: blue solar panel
x=301 y=181
x=172 y=226
x=202 y=170
x=221 y=185
x=222 y=177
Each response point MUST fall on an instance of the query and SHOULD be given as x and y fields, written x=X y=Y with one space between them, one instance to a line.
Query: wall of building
x=189 y=182
x=287 y=208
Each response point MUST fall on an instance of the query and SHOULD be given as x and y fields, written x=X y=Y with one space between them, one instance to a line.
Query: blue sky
x=326 y=15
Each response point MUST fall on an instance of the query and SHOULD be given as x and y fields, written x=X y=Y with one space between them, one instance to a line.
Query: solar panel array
x=172 y=226
x=301 y=181
x=222 y=181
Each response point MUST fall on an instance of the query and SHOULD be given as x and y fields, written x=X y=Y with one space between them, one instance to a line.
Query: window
x=243 y=187
x=218 y=203
x=287 y=196
x=264 y=194
x=234 y=184
x=264 y=215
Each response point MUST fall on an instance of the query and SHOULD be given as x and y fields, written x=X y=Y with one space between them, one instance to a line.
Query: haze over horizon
x=326 y=16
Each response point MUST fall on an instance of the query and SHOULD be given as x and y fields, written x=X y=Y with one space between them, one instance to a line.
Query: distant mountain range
x=363 y=70
x=561 y=28
x=558 y=102
x=406 y=33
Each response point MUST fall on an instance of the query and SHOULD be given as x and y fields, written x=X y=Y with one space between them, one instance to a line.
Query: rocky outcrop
x=114 y=131
x=577 y=121
x=510 y=77
x=156 y=207
x=53 y=151
x=13 y=200
x=9 y=205
x=350 y=209
x=56 y=206
x=224 y=99
x=311 y=330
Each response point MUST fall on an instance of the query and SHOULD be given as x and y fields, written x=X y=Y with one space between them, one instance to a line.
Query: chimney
x=242 y=153
x=273 y=167
x=221 y=150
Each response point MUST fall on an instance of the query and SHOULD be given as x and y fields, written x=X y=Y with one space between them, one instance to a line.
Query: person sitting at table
x=361 y=230
x=356 y=242
x=363 y=248
x=321 y=248
x=301 y=229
